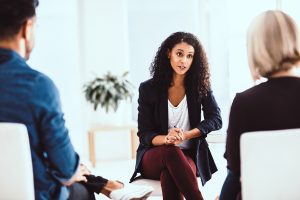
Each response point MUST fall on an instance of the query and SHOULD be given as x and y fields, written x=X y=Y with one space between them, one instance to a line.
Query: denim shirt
x=31 y=98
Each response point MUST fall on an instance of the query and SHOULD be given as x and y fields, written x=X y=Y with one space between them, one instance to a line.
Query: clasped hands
x=175 y=136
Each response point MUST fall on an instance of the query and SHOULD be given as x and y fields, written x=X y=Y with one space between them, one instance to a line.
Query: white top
x=179 y=118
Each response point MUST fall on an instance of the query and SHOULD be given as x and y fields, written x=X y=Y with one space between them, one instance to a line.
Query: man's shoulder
x=30 y=74
x=39 y=83
x=38 y=78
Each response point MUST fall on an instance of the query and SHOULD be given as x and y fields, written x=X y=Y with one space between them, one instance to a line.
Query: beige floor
x=122 y=170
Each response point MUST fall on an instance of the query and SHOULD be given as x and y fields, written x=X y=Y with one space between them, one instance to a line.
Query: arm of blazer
x=146 y=119
x=211 y=113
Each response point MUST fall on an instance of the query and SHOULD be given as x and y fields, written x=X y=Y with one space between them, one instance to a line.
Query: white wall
x=79 y=39
x=103 y=46
x=150 y=23
x=57 y=54
x=217 y=33
x=104 y=41
x=75 y=41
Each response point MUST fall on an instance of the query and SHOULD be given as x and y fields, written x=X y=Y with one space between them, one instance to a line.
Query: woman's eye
x=179 y=54
x=190 y=56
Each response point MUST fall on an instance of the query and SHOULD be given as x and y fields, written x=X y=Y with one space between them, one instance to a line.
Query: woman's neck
x=286 y=73
x=178 y=80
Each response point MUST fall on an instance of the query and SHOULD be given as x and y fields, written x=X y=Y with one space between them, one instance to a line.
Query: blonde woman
x=273 y=53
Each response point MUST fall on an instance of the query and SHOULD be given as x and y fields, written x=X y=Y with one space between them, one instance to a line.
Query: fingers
x=175 y=136
x=177 y=133
x=79 y=175
x=180 y=135
x=81 y=178
x=174 y=130
x=169 y=140
x=84 y=170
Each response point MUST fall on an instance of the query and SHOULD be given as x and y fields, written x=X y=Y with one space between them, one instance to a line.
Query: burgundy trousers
x=176 y=171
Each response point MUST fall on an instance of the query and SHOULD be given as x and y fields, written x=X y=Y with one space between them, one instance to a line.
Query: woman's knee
x=171 y=151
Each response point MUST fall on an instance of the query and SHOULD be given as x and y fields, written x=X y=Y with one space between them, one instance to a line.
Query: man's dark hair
x=13 y=14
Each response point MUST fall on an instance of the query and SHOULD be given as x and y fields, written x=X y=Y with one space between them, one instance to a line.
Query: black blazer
x=153 y=121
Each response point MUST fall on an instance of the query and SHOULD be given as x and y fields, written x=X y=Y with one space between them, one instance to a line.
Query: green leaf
x=108 y=91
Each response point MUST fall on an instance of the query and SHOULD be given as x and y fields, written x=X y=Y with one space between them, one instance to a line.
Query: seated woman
x=273 y=53
x=172 y=134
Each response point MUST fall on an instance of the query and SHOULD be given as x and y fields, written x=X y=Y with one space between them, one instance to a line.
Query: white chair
x=270 y=165
x=213 y=138
x=157 y=192
x=16 y=175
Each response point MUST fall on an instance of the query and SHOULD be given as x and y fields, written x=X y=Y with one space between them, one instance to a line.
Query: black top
x=272 y=105
x=153 y=121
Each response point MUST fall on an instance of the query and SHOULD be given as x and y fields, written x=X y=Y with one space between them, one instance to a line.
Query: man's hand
x=79 y=175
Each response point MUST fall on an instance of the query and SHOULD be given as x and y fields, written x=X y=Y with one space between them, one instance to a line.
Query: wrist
x=186 y=135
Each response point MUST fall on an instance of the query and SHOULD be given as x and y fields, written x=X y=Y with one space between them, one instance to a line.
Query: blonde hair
x=273 y=44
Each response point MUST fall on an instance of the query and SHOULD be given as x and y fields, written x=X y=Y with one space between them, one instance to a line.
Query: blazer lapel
x=163 y=112
x=192 y=108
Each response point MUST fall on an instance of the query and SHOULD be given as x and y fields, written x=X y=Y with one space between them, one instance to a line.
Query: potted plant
x=108 y=90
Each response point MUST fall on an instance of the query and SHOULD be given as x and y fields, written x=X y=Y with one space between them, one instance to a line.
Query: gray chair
x=16 y=175
x=270 y=165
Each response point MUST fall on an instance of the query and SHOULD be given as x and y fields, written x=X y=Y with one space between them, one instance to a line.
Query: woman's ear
x=169 y=54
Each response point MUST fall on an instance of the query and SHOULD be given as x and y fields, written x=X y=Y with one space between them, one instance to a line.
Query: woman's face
x=181 y=57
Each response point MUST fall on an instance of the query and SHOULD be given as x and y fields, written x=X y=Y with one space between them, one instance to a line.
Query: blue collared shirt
x=31 y=98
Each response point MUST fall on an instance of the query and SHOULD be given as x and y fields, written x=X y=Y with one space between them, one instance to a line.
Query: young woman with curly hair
x=172 y=134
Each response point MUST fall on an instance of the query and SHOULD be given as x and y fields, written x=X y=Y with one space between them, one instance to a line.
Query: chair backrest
x=16 y=175
x=270 y=165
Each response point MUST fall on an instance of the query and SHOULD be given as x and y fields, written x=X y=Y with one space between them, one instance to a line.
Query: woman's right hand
x=174 y=136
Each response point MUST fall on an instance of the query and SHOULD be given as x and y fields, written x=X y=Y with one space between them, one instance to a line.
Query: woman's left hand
x=180 y=137
x=175 y=136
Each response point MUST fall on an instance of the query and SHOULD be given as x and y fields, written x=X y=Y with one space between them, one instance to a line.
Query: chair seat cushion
x=154 y=183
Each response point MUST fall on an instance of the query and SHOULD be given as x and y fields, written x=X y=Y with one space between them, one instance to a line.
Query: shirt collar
x=8 y=54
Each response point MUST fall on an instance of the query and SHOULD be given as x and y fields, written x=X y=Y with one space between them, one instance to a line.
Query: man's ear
x=26 y=29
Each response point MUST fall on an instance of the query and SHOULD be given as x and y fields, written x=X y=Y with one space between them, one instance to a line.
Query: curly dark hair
x=13 y=14
x=197 y=78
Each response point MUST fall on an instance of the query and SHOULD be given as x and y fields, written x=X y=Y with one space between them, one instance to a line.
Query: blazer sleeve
x=146 y=127
x=212 y=115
